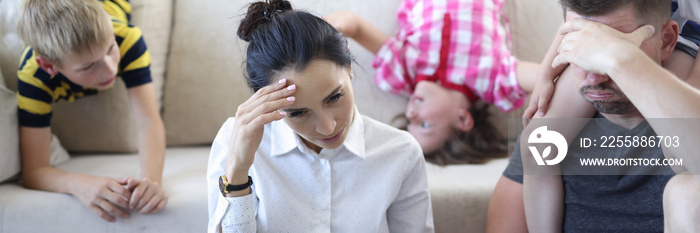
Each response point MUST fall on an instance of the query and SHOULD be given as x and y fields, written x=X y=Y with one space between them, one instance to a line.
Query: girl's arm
x=359 y=29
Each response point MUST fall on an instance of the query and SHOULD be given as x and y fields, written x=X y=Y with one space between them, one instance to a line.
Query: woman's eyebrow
x=323 y=101
x=331 y=94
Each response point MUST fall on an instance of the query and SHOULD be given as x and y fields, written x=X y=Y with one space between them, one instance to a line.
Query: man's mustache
x=600 y=87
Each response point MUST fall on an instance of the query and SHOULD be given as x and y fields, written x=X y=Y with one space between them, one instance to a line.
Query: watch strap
x=239 y=187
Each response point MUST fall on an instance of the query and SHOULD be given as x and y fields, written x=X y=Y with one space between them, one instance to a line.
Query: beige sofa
x=197 y=69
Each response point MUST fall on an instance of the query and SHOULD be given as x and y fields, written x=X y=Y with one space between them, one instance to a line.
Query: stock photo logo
x=542 y=135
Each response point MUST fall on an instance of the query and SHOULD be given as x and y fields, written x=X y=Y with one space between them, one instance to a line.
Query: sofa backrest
x=197 y=65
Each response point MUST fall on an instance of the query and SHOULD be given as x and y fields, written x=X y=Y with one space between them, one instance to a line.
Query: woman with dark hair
x=325 y=167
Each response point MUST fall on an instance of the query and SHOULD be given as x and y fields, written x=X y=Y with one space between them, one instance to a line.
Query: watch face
x=221 y=185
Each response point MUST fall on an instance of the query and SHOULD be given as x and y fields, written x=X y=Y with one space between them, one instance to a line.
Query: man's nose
x=326 y=124
x=595 y=79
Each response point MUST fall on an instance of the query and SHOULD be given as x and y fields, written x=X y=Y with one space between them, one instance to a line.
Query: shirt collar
x=284 y=139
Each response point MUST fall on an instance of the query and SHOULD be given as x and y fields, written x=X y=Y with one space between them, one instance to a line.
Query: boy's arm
x=148 y=196
x=101 y=194
x=359 y=29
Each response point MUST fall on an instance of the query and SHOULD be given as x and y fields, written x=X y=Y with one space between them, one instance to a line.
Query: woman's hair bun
x=260 y=13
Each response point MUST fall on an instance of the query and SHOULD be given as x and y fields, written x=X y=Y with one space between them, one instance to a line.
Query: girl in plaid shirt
x=447 y=55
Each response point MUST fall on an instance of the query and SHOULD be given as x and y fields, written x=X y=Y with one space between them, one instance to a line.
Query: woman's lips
x=334 y=138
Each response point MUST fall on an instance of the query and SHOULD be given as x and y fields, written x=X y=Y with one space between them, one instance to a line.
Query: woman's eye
x=296 y=114
x=335 y=98
x=425 y=125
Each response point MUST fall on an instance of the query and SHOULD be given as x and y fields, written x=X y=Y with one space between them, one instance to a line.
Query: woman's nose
x=326 y=125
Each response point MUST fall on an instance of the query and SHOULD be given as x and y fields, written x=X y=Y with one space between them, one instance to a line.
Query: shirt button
x=324 y=161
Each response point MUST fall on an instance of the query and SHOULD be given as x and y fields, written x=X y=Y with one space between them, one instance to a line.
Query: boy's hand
x=343 y=21
x=106 y=197
x=148 y=196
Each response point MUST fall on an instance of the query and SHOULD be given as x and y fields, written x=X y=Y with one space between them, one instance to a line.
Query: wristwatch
x=225 y=187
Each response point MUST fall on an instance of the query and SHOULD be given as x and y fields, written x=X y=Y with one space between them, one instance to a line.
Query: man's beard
x=619 y=106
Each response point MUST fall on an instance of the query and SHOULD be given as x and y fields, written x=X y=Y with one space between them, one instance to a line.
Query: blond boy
x=76 y=48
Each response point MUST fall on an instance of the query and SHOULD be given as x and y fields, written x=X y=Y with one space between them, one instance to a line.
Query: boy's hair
x=654 y=12
x=57 y=29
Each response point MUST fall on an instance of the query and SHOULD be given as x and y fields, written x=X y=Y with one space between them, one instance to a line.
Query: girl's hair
x=282 y=39
x=477 y=146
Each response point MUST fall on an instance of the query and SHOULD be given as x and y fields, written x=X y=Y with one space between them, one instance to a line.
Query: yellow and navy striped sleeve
x=135 y=62
x=34 y=95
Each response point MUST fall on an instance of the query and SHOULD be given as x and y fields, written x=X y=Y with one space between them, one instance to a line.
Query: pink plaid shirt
x=475 y=60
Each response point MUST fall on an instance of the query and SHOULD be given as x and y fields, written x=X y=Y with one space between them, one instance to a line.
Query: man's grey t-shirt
x=608 y=203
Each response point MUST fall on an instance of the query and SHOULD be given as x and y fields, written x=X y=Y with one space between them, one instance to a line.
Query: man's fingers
x=573 y=25
x=641 y=34
x=560 y=60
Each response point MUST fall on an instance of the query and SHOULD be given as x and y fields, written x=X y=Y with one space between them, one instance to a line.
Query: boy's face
x=96 y=69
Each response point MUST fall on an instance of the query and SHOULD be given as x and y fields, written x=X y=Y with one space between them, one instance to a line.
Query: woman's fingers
x=271 y=106
x=255 y=98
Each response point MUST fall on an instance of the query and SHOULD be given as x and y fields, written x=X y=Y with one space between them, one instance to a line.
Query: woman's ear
x=352 y=74
x=465 y=122
x=669 y=38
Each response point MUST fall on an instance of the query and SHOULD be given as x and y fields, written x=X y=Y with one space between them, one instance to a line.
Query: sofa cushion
x=205 y=80
x=154 y=17
x=97 y=123
x=101 y=123
x=23 y=210
x=9 y=138
x=460 y=194
x=9 y=132
x=10 y=43
x=199 y=95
